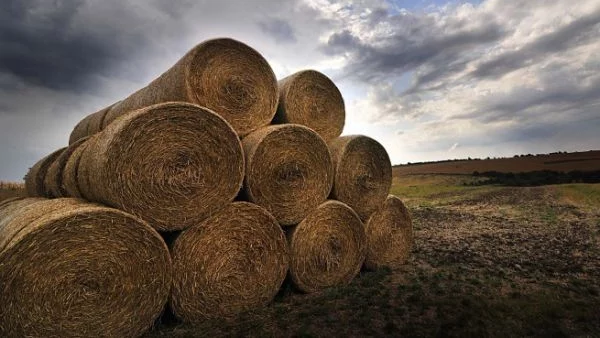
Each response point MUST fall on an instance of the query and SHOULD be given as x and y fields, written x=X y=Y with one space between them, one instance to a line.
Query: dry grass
x=288 y=171
x=232 y=262
x=311 y=99
x=362 y=173
x=70 y=268
x=11 y=190
x=171 y=164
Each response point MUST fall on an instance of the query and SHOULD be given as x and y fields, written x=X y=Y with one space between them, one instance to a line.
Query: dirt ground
x=487 y=262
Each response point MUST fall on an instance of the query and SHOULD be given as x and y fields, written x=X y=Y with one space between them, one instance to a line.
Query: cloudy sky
x=430 y=80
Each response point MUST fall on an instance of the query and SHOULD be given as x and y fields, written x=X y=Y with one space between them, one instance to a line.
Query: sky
x=430 y=80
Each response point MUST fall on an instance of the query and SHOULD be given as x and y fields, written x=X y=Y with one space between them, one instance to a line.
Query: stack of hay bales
x=247 y=176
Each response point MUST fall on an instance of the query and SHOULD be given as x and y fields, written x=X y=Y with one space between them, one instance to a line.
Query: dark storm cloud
x=53 y=44
x=415 y=41
x=279 y=29
x=40 y=46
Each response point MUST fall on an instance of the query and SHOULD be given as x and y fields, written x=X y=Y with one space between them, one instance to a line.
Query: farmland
x=562 y=162
x=488 y=261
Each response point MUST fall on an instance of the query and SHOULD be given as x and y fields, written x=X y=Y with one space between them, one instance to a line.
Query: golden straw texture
x=311 y=99
x=288 y=171
x=96 y=121
x=80 y=130
x=34 y=180
x=389 y=235
x=70 y=172
x=327 y=248
x=74 y=269
x=172 y=164
x=53 y=182
x=224 y=75
x=232 y=262
x=363 y=173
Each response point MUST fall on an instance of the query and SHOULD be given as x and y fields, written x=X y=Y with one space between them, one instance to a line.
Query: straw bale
x=362 y=173
x=311 y=99
x=288 y=171
x=73 y=269
x=224 y=75
x=172 y=164
x=234 y=261
x=327 y=248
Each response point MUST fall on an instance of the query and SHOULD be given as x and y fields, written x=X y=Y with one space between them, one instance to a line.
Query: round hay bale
x=224 y=75
x=363 y=173
x=232 y=262
x=53 y=182
x=70 y=173
x=389 y=235
x=80 y=130
x=10 y=200
x=70 y=268
x=105 y=120
x=288 y=171
x=327 y=248
x=34 y=180
x=172 y=164
x=311 y=99
x=96 y=121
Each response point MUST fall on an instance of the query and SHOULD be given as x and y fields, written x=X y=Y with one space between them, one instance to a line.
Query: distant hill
x=560 y=162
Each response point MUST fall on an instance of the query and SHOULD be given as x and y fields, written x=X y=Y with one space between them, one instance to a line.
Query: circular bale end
x=327 y=248
x=34 y=180
x=53 y=181
x=235 y=81
x=288 y=171
x=70 y=268
x=311 y=99
x=172 y=164
x=233 y=262
x=363 y=173
x=389 y=235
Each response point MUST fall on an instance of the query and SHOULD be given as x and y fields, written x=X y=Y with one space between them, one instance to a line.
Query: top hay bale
x=389 y=235
x=310 y=98
x=363 y=173
x=74 y=269
x=288 y=171
x=224 y=75
x=172 y=164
